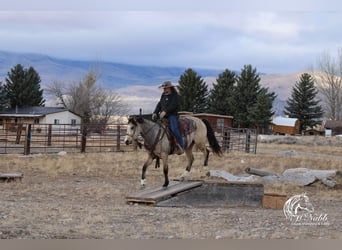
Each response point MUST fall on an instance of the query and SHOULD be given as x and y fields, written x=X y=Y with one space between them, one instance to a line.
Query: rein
x=156 y=140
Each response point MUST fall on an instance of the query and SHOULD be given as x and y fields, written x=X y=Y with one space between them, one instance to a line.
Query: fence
x=237 y=139
x=75 y=138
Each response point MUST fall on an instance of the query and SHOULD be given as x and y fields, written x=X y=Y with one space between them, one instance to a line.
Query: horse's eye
x=132 y=127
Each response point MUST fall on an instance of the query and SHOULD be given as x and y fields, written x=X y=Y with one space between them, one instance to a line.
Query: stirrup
x=179 y=150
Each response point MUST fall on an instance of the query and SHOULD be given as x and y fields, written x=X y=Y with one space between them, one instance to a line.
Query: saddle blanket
x=186 y=125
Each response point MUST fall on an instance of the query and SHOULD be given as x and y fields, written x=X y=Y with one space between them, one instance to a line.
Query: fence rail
x=75 y=138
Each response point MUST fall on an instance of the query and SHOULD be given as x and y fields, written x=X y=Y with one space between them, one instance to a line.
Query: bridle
x=145 y=133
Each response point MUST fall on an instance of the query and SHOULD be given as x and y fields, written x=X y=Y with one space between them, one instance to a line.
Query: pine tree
x=221 y=97
x=22 y=87
x=193 y=92
x=3 y=97
x=261 y=113
x=303 y=103
x=246 y=93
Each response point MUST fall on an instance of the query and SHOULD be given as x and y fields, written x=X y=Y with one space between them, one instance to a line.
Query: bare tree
x=328 y=80
x=87 y=99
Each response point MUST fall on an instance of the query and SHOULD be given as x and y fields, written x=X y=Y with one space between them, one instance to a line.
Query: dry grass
x=83 y=196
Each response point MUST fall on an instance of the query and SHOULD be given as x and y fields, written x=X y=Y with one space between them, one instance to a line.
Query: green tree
x=261 y=113
x=221 y=97
x=246 y=92
x=22 y=87
x=303 y=103
x=193 y=92
x=3 y=97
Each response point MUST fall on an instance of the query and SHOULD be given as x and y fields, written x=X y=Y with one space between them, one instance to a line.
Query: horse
x=160 y=146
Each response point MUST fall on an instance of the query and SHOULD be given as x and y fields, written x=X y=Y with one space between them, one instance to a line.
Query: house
x=334 y=126
x=38 y=115
x=218 y=122
x=284 y=125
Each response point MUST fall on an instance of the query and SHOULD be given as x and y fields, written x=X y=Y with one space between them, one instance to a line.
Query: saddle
x=186 y=125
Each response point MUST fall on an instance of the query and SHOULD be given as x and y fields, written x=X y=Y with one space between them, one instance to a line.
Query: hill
x=112 y=75
x=136 y=84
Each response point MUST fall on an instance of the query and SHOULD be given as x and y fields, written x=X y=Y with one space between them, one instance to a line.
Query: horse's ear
x=131 y=119
x=140 y=119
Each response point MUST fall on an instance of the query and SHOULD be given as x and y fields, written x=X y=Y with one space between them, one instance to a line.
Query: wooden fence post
x=248 y=141
x=27 y=140
x=118 y=138
x=19 y=130
x=84 y=139
x=49 y=135
x=226 y=140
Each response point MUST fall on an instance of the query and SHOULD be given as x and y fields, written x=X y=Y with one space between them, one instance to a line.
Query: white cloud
x=204 y=36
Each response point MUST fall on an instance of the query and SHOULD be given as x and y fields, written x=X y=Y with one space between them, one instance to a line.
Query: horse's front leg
x=144 y=168
x=166 y=172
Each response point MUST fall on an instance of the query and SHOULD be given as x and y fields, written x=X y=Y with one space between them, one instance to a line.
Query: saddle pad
x=186 y=125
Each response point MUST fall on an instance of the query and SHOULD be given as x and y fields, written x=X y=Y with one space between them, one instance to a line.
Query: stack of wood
x=296 y=176
x=7 y=177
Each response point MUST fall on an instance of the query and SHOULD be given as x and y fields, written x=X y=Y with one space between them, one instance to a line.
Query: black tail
x=212 y=138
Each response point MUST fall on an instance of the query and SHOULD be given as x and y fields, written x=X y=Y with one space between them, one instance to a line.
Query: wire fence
x=81 y=138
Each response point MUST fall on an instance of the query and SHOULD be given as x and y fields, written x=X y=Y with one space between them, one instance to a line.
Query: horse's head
x=133 y=129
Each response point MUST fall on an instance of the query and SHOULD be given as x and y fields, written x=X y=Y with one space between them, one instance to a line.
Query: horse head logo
x=296 y=206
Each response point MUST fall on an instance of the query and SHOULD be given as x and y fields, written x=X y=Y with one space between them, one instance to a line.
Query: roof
x=284 y=121
x=332 y=124
x=31 y=111
x=204 y=114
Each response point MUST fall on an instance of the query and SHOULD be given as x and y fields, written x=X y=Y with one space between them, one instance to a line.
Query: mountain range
x=136 y=84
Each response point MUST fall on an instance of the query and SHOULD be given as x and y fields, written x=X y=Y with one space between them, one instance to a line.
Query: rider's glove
x=162 y=114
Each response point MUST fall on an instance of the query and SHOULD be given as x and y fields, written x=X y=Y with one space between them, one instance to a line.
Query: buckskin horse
x=159 y=144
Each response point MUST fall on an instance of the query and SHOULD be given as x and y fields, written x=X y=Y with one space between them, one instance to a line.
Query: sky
x=276 y=37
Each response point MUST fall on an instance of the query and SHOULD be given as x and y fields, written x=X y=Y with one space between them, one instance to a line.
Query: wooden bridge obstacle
x=201 y=194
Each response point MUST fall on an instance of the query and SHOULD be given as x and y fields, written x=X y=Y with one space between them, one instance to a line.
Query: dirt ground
x=82 y=196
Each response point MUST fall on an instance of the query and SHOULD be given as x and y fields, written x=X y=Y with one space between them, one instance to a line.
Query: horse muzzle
x=128 y=140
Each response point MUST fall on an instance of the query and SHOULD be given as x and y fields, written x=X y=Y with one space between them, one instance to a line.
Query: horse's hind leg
x=190 y=158
x=206 y=157
x=205 y=151
x=144 y=168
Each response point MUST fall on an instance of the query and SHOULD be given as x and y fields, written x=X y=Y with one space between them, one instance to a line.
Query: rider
x=168 y=108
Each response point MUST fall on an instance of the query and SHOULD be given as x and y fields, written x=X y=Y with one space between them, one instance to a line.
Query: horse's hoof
x=142 y=187
x=182 y=178
x=164 y=187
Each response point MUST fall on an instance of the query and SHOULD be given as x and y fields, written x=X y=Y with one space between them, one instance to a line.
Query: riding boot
x=179 y=149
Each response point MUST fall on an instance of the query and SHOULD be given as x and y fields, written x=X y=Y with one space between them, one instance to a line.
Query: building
x=218 y=122
x=334 y=126
x=38 y=115
x=285 y=126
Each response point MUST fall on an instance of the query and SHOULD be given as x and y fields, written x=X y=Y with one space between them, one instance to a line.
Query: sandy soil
x=83 y=196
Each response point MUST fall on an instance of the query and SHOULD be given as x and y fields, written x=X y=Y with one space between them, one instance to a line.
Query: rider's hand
x=154 y=117
x=162 y=114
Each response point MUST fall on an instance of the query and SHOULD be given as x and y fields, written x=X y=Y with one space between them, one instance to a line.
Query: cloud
x=276 y=40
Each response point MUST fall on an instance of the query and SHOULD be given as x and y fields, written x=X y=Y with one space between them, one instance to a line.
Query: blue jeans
x=173 y=120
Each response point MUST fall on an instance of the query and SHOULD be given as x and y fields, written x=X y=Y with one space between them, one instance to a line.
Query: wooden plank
x=166 y=193
x=157 y=193
x=11 y=176
x=149 y=190
x=273 y=201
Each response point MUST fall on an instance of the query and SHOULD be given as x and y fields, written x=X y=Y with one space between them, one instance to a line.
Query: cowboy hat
x=166 y=84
